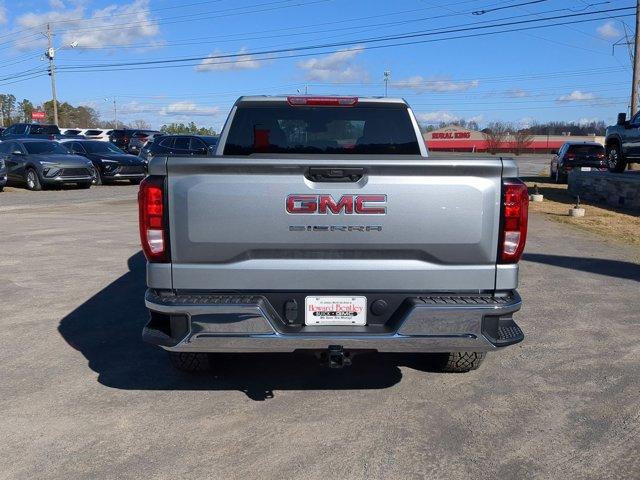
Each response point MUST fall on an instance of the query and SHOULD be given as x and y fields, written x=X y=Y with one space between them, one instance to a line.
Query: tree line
x=14 y=111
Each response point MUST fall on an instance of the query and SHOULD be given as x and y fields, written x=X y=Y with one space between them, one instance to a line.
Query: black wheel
x=559 y=177
x=85 y=185
x=98 y=179
x=190 y=361
x=460 y=362
x=135 y=181
x=1 y=188
x=615 y=159
x=32 y=180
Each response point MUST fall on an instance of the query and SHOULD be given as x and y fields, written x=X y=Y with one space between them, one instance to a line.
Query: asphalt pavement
x=82 y=397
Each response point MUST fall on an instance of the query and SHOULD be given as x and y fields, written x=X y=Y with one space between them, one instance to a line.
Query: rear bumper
x=248 y=323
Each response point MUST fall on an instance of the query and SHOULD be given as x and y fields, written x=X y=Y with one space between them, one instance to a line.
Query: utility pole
x=636 y=63
x=50 y=54
x=387 y=77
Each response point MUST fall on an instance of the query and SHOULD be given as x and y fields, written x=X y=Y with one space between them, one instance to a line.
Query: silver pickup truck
x=322 y=224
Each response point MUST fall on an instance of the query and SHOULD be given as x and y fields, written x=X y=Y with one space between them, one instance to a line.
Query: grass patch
x=609 y=222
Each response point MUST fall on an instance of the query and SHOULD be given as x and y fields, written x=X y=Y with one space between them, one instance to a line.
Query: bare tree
x=496 y=135
x=140 y=125
x=522 y=140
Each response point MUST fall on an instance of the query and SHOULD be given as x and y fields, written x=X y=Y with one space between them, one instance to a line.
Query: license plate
x=585 y=169
x=335 y=311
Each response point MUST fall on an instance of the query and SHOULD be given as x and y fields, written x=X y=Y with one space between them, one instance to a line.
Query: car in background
x=584 y=156
x=72 y=131
x=181 y=145
x=97 y=134
x=35 y=130
x=109 y=161
x=3 y=174
x=120 y=137
x=38 y=163
x=140 y=138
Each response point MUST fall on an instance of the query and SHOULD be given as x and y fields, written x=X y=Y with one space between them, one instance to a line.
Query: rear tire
x=32 y=180
x=615 y=159
x=190 y=361
x=460 y=362
x=98 y=179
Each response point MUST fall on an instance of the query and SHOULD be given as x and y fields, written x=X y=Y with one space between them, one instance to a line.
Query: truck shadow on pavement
x=600 y=266
x=107 y=328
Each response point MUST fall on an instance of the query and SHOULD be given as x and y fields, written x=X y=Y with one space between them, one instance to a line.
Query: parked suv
x=110 y=162
x=322 y=224
x=120 y=138
x=179 y=145
x=140 y=138
x=97 y=134
x=39 y=163
x=3 y=173
x=35 y=130
x=584 y=156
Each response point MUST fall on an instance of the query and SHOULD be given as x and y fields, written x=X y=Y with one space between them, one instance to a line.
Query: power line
x=361 y=43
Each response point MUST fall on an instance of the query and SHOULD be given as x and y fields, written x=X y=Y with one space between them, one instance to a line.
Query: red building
x=459 y=139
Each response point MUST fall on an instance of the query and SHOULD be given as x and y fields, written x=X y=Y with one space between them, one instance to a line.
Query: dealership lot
x=83 y=397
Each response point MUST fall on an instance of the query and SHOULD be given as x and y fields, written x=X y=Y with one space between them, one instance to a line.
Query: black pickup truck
x=623 y=142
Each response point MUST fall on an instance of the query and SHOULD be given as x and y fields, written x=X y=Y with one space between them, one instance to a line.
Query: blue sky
x=562 y=72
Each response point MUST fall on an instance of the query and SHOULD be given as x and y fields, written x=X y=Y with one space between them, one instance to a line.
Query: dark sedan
x=585 y=156
x=110 y=162
x=42 y=163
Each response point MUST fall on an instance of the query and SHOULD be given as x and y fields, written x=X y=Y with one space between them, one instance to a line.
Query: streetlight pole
x=387 y=77
x=115 y=112
x=50 y=54
x=636 y=63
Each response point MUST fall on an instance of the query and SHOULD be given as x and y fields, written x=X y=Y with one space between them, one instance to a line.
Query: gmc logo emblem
x=349 y=204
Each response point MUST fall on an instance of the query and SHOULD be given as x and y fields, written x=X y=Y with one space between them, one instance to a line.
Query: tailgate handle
x=334 y=174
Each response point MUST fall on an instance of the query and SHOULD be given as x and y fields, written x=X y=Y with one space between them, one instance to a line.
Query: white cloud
x=99 y=28
x=336 y=67
x=189 y=109
x=516 y=93
x=435 y=84
x=608 y=30
x=577 y=96
x=242 y=62
x=587 y=121
x=3 y=14
x=133 y=107
x=437 y=117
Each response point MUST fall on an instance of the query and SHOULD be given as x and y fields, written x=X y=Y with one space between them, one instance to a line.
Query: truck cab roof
x=252 y=99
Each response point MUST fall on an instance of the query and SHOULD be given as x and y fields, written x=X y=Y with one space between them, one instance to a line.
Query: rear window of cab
x=358 y=129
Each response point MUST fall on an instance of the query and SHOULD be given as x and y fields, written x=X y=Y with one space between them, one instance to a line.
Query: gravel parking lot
x=83 y=397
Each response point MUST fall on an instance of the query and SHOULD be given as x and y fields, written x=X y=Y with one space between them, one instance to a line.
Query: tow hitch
x=336 y=357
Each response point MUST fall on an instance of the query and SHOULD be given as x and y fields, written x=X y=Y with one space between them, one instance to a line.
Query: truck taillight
x=153 y=219
x=515 y=210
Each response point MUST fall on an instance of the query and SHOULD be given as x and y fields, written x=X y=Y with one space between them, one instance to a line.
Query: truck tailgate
x=230 y=229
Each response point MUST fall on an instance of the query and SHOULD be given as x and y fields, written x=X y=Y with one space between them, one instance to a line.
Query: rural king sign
x=36 y=115
x=450 y=135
